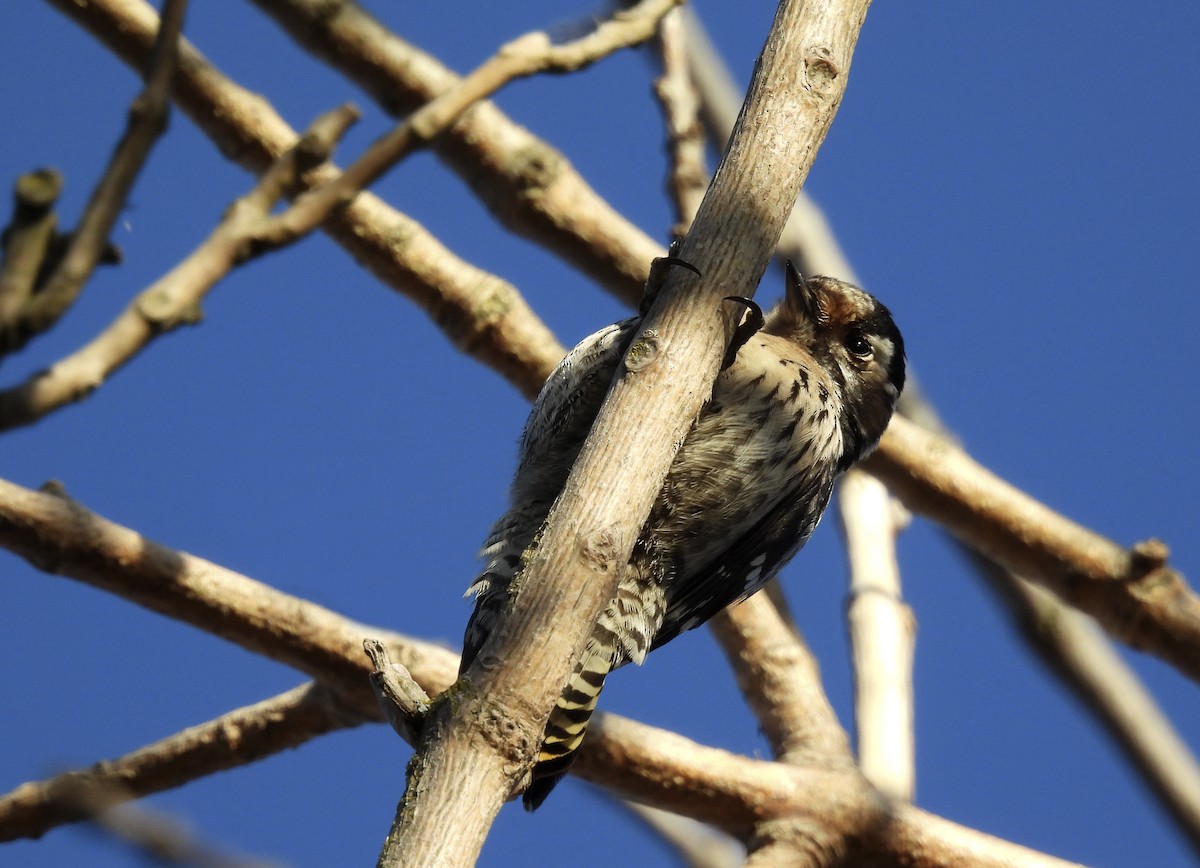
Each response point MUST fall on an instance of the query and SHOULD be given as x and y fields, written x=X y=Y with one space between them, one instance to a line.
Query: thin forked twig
x=250 y=230
x=147 y=121
x=483 y=315
x=530 y=186
x=527 y=55
x=246 y=231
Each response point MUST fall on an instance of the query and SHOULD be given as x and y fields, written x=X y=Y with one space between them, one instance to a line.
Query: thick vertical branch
x=479 y=743
x=882 y=635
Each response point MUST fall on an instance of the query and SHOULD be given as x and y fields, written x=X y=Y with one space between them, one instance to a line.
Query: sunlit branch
x=247 y=230
x=89 y=241
x=687 y=176
x=781 y=682
x=234 y=739
x=882 y=634
x=480 y=313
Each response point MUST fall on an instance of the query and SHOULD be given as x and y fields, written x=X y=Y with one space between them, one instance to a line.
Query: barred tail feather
x=568 y=724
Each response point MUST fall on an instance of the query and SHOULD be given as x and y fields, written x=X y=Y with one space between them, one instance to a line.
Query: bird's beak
x=802 y=295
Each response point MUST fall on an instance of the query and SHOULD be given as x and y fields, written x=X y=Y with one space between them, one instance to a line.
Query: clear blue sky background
x=1019 y=182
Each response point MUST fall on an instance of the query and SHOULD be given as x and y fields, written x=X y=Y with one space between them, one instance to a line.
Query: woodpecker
x=797 y=402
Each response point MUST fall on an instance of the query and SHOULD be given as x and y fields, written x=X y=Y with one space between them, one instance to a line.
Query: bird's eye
x=856 y=342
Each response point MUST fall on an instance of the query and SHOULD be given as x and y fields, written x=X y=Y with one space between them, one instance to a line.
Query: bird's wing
x=560 y=421
x=749 y=563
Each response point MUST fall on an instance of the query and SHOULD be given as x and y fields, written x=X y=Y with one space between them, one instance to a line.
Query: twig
x=688 y=176
x=247 y=230
x=881 y=636
x=781 y=682
x=27 y=240
x=234 y=739
x=482 y=315
x=147 y=121
x=155 y=836
x=530 y=186
x=402 y=701
x=527 y=55
x=1133 y=593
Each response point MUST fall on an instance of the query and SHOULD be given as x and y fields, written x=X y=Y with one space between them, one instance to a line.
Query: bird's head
x=854 y=339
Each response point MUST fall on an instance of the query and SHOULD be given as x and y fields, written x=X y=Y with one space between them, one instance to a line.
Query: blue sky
x=1018 y=182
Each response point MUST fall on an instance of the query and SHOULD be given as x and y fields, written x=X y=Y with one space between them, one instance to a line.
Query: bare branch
x=175 y=299
x=60 y=536
x=1134 y=595
x=806 y=239
x=882 y=632
x=710 y=785
x=527 y=55
x=403 y=703
x=27 y=240
x=743 y=796
x=782 y=684
x=688 y=175
x=147 y=121
x=154 y=836
x=529 y=186
x=1070 y=644
x=482 y=315
x=237 y=738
